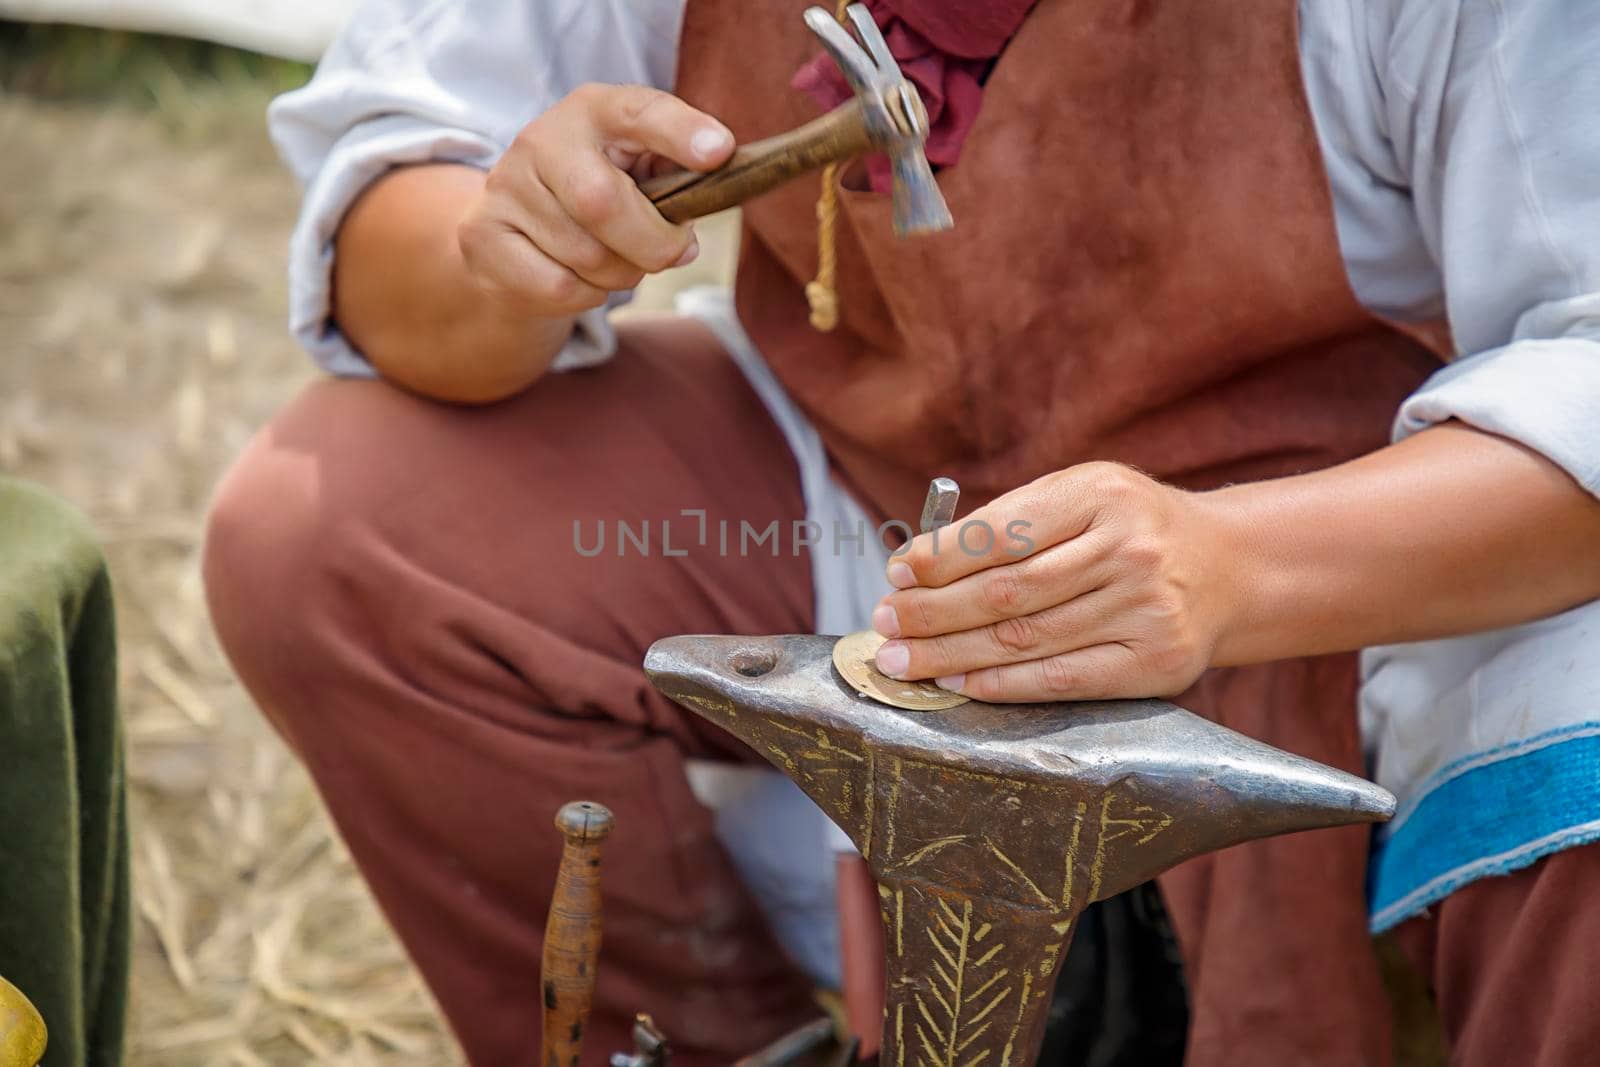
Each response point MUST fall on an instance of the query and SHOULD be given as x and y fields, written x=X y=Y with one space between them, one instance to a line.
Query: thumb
x=638 y=119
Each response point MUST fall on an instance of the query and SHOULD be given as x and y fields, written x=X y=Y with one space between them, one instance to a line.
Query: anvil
x=990 y=827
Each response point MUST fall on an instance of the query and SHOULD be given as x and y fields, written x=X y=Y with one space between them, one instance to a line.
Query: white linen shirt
x=1462 y=140
x=1462 y=143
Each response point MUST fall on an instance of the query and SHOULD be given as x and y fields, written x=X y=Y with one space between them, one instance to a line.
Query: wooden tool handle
x=572 y=933
x=754 y=168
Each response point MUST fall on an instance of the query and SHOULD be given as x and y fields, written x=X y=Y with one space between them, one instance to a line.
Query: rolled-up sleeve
x=418 y=81
x=1494 y=107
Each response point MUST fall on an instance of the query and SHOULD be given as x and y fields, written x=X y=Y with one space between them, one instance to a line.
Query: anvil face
x=989 y=827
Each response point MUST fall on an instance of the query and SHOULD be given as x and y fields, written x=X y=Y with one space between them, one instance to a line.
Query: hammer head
x=896 y=119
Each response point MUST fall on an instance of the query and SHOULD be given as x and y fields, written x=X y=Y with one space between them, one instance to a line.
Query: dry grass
x=141 y=344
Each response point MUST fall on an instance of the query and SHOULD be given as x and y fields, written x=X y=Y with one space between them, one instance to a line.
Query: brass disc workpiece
x=854 y=657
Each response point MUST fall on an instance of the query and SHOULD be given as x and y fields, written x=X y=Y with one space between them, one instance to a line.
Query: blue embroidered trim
x=1421 y=790
x=1490 y=818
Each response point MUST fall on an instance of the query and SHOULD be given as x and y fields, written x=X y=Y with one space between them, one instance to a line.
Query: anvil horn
x=990 y=827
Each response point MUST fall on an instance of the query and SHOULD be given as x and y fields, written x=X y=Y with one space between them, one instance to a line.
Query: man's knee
x=277 y=536
x=363 y=528
x=369 y=532
x=259 y=562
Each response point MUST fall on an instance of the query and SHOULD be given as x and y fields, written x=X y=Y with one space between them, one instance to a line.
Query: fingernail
x=690 y=254
x=708 y=142
x=952 y=682
x=901 y=576
x=885 y=621
x=894 y=659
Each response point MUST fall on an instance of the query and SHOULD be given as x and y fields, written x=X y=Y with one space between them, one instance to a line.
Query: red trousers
x=400 y=586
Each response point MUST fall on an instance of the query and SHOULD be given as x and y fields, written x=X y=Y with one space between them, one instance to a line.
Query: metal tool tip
x=939 y=507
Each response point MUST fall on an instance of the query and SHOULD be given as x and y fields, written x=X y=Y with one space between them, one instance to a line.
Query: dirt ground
x=142 y=341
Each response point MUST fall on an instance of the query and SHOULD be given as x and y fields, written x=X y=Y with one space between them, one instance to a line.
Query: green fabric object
x=64 y=888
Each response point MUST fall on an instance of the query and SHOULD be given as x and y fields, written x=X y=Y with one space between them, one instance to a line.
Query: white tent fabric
x=294 y=29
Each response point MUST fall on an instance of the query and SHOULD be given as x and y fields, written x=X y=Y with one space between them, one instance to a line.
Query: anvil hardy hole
x=753 y=662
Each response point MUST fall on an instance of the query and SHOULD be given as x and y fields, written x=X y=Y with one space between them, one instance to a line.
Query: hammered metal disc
x=854 y=655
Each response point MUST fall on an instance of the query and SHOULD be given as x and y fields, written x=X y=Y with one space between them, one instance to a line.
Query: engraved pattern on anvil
x=821 y=764
x=964 y=1013
x=985 y=971
x=717 y=706
x=976 y=840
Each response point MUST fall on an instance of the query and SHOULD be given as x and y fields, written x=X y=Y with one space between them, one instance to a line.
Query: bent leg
x=400 y=585
x=1512 y=961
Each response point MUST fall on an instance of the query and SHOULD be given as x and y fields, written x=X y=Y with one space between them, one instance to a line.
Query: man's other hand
x=1092 y=583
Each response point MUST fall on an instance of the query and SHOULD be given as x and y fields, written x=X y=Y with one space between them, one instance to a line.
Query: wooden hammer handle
x=572 y=933
x=754 y=168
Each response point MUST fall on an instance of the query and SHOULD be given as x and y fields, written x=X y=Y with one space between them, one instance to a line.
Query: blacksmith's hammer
x=886 y=115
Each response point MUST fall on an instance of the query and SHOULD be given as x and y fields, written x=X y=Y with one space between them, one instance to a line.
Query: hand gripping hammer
x=886 y=115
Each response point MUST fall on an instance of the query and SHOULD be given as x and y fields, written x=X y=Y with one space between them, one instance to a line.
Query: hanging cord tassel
x=822 y=292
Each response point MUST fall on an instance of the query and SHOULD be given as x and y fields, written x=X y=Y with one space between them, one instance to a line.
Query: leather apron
x=1144 y=269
